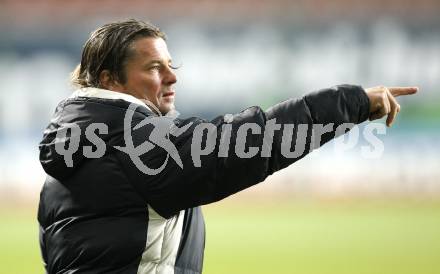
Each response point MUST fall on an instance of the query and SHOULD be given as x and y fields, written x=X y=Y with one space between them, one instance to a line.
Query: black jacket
x=104 y=215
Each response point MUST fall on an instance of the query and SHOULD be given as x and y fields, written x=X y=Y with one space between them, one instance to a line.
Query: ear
x=107 y=81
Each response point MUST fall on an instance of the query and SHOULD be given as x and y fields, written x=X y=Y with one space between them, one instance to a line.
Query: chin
x=167 y=108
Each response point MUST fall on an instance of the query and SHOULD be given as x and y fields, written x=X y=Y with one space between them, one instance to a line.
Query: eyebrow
x=158 y=62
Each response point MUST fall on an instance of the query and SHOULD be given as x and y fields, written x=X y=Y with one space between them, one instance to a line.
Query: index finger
x=398 y=91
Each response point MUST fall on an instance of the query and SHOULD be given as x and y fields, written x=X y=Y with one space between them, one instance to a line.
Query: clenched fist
x=383 y=101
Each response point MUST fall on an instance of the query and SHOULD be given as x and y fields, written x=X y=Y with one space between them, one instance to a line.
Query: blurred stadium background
x=336 y=211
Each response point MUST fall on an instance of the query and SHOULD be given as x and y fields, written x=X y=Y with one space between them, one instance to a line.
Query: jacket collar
x=108 y=94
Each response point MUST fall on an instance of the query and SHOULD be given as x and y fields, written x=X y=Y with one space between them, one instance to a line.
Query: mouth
x=168 y=94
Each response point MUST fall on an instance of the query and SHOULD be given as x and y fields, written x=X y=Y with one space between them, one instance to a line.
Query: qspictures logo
x=206 y=137
x=163 y=127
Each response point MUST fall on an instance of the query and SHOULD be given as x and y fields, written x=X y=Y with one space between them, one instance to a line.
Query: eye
x=155 y=67
x=174 y=67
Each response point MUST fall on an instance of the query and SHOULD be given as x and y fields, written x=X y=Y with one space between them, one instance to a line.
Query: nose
x=170 y=77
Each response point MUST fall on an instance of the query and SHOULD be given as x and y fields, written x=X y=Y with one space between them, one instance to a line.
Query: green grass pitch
x=312 y=237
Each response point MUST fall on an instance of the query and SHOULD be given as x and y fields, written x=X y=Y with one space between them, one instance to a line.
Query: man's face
x=149 y=73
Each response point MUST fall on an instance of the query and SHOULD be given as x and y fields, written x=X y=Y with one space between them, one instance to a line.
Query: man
x=100 y=213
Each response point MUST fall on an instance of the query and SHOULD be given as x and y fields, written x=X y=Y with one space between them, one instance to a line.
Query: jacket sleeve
x=221 y=174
